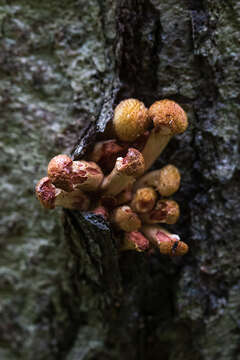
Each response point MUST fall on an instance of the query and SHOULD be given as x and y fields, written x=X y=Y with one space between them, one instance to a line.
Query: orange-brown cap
x=165 y=211
x=59 y=170
x=126 y=219
x=168 y=244
x=46 y=193
x=144 y=200
x=86 y=175
x=168 y=117
x=130 y=119
x=169 y=180
x=179 y=248
x=132 y=164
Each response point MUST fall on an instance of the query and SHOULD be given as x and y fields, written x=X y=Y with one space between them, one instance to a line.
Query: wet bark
x=66 y=293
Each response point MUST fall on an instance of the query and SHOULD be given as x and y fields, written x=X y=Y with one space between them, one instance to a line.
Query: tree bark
x=66 y=293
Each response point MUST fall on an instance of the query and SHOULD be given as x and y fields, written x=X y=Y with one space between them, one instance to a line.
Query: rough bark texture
x=65 y=293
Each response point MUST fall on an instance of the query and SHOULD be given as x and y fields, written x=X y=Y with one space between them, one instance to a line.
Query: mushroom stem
x=155 y=145
x=126 y=219
x=165 y=211
x=169 y=119
x=50 y=196
x=125 y=196
x=168 y=244
x=144 y=200
x=134 y=241
x=125 y=172
x=166 y=180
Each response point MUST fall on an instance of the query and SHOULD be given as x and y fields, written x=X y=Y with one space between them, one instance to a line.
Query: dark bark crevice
x=138 y=44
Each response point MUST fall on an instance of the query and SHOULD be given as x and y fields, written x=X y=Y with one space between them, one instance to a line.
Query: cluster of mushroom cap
x=113 y=180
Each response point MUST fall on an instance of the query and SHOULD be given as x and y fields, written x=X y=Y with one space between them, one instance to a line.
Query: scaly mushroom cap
x=168 y=117
x=46 y=193
x=130 y=119
x=168 y=244
x=86 y=175
x=59 y=170
x=132 y=164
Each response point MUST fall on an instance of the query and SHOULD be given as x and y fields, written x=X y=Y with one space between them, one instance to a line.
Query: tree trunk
x=66 y=293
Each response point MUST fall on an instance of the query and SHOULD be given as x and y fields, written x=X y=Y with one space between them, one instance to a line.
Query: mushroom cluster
x=113 y=180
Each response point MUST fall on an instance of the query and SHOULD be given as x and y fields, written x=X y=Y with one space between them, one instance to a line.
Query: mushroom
x=169 y=119
x=68 y=175
x=166 y=180
x=144 y=200
x=130 y=119
x=86 y=176
x=165 y=211
x=168 y=244
x=124 y=173
x=126 y=219
x=50 y=196
x=59 y=170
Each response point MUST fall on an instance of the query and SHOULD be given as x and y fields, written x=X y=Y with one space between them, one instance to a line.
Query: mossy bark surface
x=65 y=292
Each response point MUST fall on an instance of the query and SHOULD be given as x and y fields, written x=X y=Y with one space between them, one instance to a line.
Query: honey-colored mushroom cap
x=168 y=117
x=130 y=119
x=169 y=180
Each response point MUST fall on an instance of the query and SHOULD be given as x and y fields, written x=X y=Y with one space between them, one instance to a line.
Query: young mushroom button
x=166 y=180
x=144 y=200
